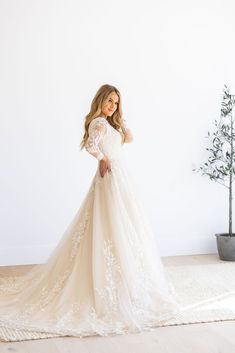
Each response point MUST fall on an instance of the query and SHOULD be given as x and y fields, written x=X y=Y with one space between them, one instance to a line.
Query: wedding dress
x=105 y=276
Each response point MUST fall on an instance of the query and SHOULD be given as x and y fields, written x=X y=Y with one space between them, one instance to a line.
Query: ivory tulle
x=105 y=276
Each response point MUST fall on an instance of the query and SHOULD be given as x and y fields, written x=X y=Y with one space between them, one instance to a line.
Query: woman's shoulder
x=99 y=123
x=99 y=120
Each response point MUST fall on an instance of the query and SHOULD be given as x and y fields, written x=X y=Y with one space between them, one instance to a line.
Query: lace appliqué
x=78 y=234
x=46 y=294
x=109 y=292
x=97 y=129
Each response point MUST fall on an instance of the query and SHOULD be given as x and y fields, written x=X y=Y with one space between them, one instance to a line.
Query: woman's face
x=110 y=104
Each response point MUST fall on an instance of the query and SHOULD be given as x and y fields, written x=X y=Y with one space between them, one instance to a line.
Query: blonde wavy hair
x=115 y=120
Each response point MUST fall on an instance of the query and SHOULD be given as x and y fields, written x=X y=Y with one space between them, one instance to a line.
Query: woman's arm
x=97 y=130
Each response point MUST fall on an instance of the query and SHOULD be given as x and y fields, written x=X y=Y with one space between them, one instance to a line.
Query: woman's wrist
x=100 y=156
x=104 y=158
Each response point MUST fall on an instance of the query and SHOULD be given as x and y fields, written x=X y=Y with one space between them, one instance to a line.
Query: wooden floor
x=214 y=337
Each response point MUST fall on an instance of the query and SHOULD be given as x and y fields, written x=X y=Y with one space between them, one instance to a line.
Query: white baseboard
x=174 y=246
x=22 y=255
x=168 y=246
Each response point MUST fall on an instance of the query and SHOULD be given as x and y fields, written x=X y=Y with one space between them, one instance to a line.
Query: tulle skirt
x=104 y=277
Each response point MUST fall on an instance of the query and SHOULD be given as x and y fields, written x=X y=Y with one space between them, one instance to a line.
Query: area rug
x=206 y=293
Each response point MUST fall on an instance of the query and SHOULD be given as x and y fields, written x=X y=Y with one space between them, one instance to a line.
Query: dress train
x=105 y=276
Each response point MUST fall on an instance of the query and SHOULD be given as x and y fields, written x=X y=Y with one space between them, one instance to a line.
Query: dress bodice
x=103 y=139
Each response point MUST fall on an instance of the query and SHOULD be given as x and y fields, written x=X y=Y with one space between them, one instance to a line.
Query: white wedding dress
x=105 y=276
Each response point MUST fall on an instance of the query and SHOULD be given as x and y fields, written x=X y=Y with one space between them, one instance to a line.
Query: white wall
x=169 y=59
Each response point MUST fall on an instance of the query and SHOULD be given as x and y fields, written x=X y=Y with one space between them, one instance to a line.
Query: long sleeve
x=97 y=130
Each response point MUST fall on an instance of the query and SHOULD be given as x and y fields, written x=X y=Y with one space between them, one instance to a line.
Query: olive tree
x=220 y=164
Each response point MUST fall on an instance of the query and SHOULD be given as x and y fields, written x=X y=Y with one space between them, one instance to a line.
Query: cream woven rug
x=207 y=290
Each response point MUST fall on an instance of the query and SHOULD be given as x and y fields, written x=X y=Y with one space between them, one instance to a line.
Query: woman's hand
x=128 y=135
x=104 y=165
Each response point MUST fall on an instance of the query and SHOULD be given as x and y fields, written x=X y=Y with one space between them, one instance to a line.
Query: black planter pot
x=226 y=246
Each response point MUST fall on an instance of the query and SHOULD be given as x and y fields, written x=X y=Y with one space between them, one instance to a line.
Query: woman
x=105 y=276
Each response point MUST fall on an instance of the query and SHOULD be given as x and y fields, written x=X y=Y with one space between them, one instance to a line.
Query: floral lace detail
x=78 y=234
x=96 y=130
x=109 y=292
x=125 y=297
x=11 y=284
x=64 y=323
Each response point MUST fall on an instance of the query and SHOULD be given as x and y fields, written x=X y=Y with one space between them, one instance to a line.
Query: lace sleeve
x=96 y=130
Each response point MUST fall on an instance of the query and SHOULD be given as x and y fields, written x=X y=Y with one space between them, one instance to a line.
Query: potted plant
x=220 y=166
